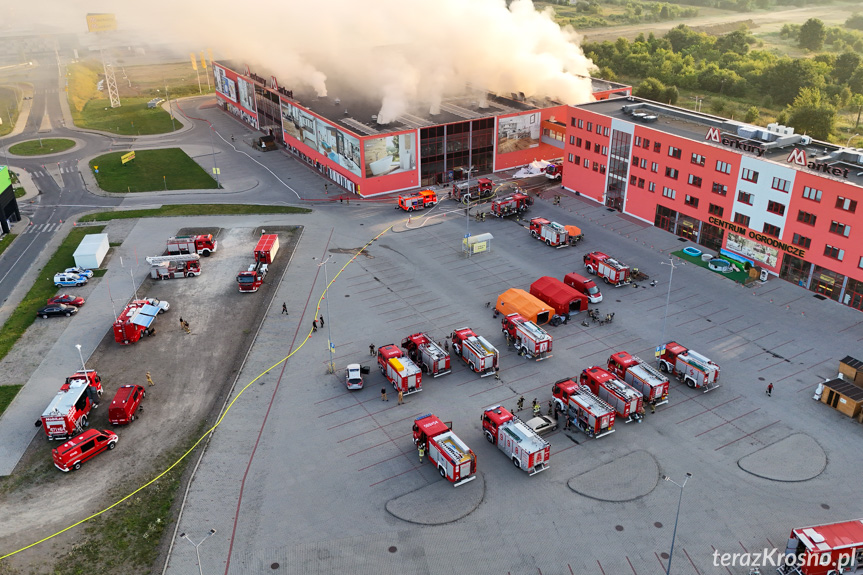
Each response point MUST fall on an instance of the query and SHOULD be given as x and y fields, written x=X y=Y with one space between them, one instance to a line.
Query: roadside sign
x=127 y=157
x=217 y=171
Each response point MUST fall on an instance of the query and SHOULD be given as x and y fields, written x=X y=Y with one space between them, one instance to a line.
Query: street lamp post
x=848 y=143
x=197 y=553
x=679 y=500
x=332 y=365
x=78 y=345
x=670 y=263
x=215 y=167
x=170 y=107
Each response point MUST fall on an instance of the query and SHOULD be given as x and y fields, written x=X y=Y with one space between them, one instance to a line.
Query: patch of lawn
x=151 y=170
x=194 y=210
x=7 y=394
x=6 y=241
x=132 y=118
x=739 y=277
x=25 y=313
x=42 y=146
x=8 y=97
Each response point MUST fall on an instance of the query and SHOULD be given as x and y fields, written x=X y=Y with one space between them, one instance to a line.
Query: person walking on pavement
x=769 y=389
x=150 y=379
x=384 y=394
x=536 y=407
x=322 y=321
x=182 y=324
x=566 y=422
x=186 y=327
x=520 y=403
x=285 y=308
x=314 y=325
x=371 y=349
x=401 y=397
x=550 y=407
x=422 y=449
x=652 y=408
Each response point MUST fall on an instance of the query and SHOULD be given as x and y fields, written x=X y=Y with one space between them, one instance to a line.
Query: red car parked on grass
x=67 y=299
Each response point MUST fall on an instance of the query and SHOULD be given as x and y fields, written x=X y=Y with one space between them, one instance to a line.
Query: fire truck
x=475 y=350
x=690 y=367
x=552 y=233
x=513 y=204
x=554 y=171
x=424 y=199
x=424 y=351
x=455 y=461
x=625 y=399
x=176 y=266
x=403 y=373
x=529 y=339
x=824 y=549
x=68 y=411
x=640 y=375
x=135 y=320
x=265 y=252
x=478 y=189
x=201 y=244
x=524 y=447
x=609 y=269
x=586 y=411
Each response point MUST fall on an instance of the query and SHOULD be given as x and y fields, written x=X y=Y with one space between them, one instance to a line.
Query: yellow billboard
x=127 y=157
x=101 y=22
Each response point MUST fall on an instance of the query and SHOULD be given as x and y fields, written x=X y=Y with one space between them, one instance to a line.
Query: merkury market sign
x=758 y=237
x=713 y=135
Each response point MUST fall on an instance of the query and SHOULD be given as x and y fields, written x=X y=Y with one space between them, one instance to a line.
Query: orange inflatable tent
x=520 y=302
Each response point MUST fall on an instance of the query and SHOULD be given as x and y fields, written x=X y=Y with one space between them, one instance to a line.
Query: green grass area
x=739 y=277
x=6 y=241
x=8 y=106
x=194 y=210
x=42 y=146
x=25 y=313
x=132 y=118
x=151 y=170
x=7 y=394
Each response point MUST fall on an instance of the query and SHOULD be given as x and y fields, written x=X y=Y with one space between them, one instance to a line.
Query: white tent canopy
x=534 y=168
x=477 y=243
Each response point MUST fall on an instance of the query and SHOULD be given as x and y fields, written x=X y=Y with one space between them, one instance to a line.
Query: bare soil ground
x=193 y=373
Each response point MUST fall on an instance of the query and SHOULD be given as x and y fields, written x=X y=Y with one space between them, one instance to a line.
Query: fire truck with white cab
x=690 y=367
x=609 y=269
x=68 y=411
x=524 y=447
x=643 y=377
x=527 y=337
x=176 y=266
x=429 y=355
x=476 y=351
x=455 y=461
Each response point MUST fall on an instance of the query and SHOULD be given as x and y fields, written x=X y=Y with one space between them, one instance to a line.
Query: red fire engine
x=424 y=199
x=527 y=337
x=176 y=266
x=524 y=447
x=201 y=244
x=68 y=411
x=609 y=269
x=455 y=461
x=476 y=351
x=626 y=400
x=589 y=413
x=516 y=203
x=690 y=367
x=424 y=351
x=554 y=171
x=552 y=233
x=404 y=374
x=135 y=320
x=265 y=252
x=478 y=189
x=643 y=377
x=824 y=549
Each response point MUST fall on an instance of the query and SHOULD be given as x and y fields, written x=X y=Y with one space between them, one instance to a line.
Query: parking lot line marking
x=727 y=569
x=376 y=445
x=658 y=558
x=358 y=404
x=747 y=435
x=396 y=475
x=565 y=448
x=690 y=321
x=399 y=454
x=771 y=365
x=400 y=318
x=727 y=422
x=634 y=572
x=732 y=319
x=691 y=562
x=801 y=353
x=743 y=546
x=850 y=326
x=333 y=397
x=706 y=410
x=746 y=342
x=571 y=572
x=752 y=356
x=379 y=428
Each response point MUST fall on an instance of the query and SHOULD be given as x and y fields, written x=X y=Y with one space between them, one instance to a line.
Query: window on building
x=571 y=158
x=668 y=193
x=632 y=179
x=637 y=141
x=806 y=218
x=602 y=168
x=586 y=163
x=801 y=241
x=846 y=204
x=745 y=197
x=775 y=208
x=604 y=151
x=840 y=228
x=587 y=145
x=595 y=166
x=674 y=152
x=645 y=144
x=694 y=181
x=781 y=185
x=572 y=140
x=605 y=130
x=671 y=173
x=715 y=210
x=654 y=167
x=590 y=126
x=834 y=252
x=691 y=201
x=860 y=265
x=643 y=163
x=741 y=219
x=698 y=159
x=641 y=183
x=749 y=175
x=772 y=230
x=812 y=194
x=720 y=189
x=581 y=123
x=723 y=167
x=597 y=147
x=577 y=160
x=657 y=147
x=651 y=187
x=635 y=161
x=573 y=122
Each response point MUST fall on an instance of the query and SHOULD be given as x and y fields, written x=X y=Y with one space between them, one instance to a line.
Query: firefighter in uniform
x=422 y=450
x=520 y=403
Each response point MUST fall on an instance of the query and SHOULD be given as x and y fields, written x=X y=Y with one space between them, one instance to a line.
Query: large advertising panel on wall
x=340 y=147
x=391 y=154
x=516 y=133
x=224 y=85
x=752 y=250
x=247 y=95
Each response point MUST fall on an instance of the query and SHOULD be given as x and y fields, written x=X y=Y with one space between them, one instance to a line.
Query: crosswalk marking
x=42 y=228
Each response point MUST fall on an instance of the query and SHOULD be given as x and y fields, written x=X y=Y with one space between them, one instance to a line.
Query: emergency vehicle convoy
x=586 y=411
x=829 y=549
x=67 y=414
x=455 y=461
x=625 y=399
x=424 y=351
x=399 y=370
x=516 y=203
x=265 y=252
x=201 y=244
x=424 y=199
x=552 y=233
x=643 y=377
x=176 y=266
x=521 y=444
x=476 y=351
x=609 y=269
x=554 y=171
x=690 y=367
x=527 y=337
x=478 y=189
x=136 y=320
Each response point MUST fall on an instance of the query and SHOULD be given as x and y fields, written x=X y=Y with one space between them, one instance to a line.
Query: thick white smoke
x=401 y=53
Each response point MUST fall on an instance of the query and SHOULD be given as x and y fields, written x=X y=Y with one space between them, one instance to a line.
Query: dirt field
x=193 y=374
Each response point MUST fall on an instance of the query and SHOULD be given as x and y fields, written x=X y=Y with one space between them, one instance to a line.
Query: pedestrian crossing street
x=42 y=228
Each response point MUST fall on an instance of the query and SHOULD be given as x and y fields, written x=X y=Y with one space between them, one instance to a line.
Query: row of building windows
x=599 y=149
x=580 y=124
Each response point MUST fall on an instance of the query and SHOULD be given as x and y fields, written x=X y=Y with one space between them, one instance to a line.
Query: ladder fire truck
x=478 y=189
x=691 y=368
x=455 y=461
x=527 y=337
x=609 y=269
x=201 y=244
x=552 y=233
x=625 y=399
x=516 y=203
x=176 y=266
x=68 y=411
x=399 y=370
x=554 y=171
x=589 y=413
x=265 y=252
x=424 y=351
x=424 y=199
x=476 y=351
x=135 y=320
x=524 y=447
x=643 y=377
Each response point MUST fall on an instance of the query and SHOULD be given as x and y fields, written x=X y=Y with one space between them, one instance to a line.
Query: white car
x=354 y=376
x=66 y=280
x=161 y=304
x=80 y=272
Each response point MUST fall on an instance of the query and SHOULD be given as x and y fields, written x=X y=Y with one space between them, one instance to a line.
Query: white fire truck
x=609 y=269
x=690 y=367
x=176 y=266
x=455 y=461
x=529 y=339
x=552 y=233
x=524 y=447
x=424 y=351
x=404 y=374
x=626 y=400
x=68 y=411
x=476 y=351
x=643 y=377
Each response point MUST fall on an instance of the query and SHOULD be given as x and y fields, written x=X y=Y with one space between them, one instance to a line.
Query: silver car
x=542 y=424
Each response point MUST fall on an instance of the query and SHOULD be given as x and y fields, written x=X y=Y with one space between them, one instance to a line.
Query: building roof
x=845 y=388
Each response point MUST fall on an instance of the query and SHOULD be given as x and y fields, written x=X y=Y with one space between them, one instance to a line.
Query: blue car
x=66 y=280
